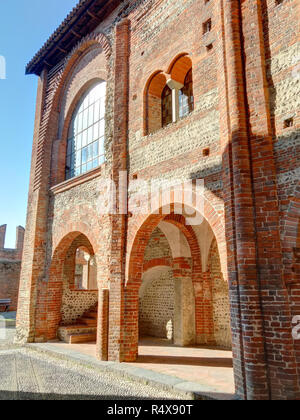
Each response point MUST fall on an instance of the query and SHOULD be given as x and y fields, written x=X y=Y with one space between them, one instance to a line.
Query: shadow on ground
x=187 y=361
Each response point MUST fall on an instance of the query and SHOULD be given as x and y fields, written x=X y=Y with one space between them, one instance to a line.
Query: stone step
x=92 y=315
x=82 y=338
x=92 y=322
x=65 y=332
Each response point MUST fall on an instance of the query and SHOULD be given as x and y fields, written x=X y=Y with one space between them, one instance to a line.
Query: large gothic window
x=186 y=96
x=85 y=146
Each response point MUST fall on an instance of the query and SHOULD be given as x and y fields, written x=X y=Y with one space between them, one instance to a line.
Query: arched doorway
x=72 y=294
x=176 y=266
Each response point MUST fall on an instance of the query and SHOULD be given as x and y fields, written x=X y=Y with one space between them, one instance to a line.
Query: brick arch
x=179 y=67
x=67 y=246
x=77 y=52
x=152 y=101
x=207 y=210
x=54 y=94
x=67 y=226
x=135 y=272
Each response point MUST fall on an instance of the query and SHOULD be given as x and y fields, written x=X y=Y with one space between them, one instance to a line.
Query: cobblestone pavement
x=27 y=376
x=24 y=376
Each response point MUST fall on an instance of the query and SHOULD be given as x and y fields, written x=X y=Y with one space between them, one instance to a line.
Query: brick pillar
x=280 y=355
x=2 y=236
x=33 y=263
x=184 y=313
x=119 y=220
x=102 y=330
x=247 y=322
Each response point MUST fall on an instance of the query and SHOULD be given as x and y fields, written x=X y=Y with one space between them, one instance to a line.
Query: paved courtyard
x=26 y=377
x=28 y=374
x=212 y=368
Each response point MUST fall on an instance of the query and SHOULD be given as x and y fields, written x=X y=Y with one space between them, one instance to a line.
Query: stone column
x=184 y=313
x=208 y=309
x=175 y=87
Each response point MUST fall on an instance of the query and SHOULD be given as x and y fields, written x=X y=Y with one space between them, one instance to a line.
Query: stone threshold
x=184 y=389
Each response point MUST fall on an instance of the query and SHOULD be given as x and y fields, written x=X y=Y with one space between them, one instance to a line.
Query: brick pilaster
x=34 y=241
x=247 y=323
x=102 y=330
x=119 y=164
x=277 y=315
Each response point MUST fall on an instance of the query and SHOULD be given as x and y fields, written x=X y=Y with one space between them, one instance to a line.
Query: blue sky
x=25 y=26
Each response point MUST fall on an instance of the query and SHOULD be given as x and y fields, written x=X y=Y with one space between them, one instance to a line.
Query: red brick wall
x=9 y=282
x=10 y=267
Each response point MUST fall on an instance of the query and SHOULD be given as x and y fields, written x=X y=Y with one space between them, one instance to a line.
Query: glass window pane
x=91 y=115
x=102 y=128
x=89 y=166
x=84 y=139
x=102 y=90
x=86 y=127
x=84 y=155
x=96 y=149
x=78 y=142
x=96 y=132
x=90 y=135
x=77 y=159
x=97 y=111
x=95 y=163
x=101 y=147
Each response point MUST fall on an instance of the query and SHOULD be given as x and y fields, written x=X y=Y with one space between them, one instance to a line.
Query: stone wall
x=221 y=305
x=156 y=317
x=9 y=282
x=157 y=293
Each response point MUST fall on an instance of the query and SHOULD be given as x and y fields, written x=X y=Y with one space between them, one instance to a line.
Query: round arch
x=67 y=246
x=51 y=114
x=139 y=241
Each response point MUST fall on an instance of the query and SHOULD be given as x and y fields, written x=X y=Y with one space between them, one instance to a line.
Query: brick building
x=10 y=267
x=164 y=92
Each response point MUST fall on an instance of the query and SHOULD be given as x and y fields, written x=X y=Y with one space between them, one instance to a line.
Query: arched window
x=166 y=103
x=186 y=96
x=85 y=146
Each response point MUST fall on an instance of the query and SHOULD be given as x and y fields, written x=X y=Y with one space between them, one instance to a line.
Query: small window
x=85 y=276
x=186 y=96
x=166 y=101
x=207 y=26
x=209 y=47
x=289 y=123
x=85 y=146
